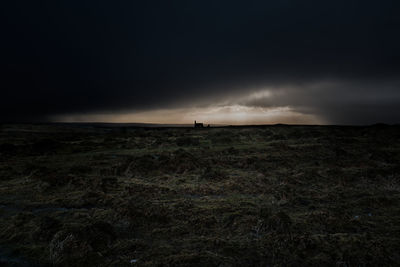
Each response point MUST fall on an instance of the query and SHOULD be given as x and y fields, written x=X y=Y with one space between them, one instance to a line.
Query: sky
x=219 y=62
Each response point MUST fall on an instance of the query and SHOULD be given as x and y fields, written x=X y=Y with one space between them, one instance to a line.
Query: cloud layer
x=337 y=60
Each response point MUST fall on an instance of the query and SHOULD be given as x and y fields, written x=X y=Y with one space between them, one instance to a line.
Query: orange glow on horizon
x=231 y=115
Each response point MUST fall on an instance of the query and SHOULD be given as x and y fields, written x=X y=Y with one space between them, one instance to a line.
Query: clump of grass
x=81 y=244
x=187 y=141
x=213 y=174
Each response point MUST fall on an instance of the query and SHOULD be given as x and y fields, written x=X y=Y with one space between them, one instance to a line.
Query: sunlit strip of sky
x=232 y=115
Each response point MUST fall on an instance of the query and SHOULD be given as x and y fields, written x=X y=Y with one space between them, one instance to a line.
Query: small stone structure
x=198 y=124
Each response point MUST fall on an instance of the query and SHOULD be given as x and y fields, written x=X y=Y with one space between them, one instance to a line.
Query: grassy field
x=235 y=196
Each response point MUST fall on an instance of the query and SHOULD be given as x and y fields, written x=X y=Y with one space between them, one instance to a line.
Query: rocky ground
x=279 y=195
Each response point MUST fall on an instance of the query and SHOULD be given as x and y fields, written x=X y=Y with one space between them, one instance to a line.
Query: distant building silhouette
x=198 y=124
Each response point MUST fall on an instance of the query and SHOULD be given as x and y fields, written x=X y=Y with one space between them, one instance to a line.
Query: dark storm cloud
x=341 y=102
x=63 y=57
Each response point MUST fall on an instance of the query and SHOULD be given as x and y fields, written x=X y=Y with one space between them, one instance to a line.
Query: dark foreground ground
x=260 y=196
